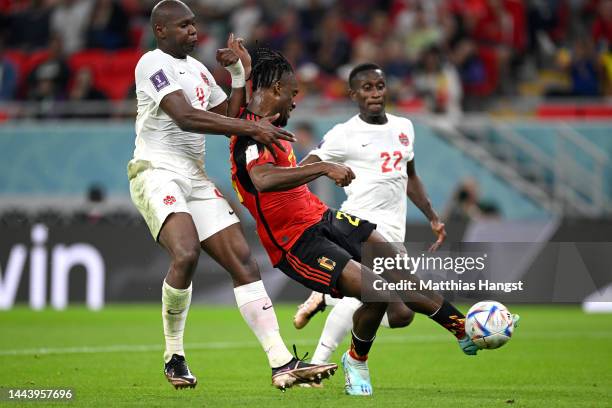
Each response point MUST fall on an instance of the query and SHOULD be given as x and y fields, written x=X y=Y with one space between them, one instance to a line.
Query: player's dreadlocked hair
x=268 y=67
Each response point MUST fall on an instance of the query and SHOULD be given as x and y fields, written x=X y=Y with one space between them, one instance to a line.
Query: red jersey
x=281 y=216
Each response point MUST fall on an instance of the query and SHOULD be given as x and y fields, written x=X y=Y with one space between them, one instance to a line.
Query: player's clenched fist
x=226 y=57
x=235 y=51
x=236 y=44
x=341 y=174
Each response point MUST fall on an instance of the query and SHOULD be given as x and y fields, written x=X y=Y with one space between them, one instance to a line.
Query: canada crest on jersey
x=403 y=138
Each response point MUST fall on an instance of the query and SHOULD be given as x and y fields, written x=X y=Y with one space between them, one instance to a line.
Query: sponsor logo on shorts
x=404 y=139
x=169 y=200
x=326 y=263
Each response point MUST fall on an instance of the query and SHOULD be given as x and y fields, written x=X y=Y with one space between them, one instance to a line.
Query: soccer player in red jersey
x=311 y=243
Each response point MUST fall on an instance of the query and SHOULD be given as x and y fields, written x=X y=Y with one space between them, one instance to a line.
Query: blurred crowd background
x=442 y=56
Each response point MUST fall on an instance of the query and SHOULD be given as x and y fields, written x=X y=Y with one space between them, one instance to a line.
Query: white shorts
x=157 y=193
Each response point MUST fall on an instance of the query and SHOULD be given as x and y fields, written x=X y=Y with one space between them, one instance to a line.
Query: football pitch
x=559 y=357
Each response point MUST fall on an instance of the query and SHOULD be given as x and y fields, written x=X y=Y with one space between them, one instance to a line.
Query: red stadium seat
x=25 y=63
x=119 y=78
x=18 y=58
x=113 y=72
x=92 y=59
x=35 y=59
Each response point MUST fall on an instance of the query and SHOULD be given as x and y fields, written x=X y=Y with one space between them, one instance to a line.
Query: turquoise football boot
x=356 y=376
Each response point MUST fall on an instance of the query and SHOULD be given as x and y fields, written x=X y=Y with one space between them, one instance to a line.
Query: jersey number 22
x=397 y=155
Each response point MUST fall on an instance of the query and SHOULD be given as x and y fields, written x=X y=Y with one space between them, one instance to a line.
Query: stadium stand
x=503 y=52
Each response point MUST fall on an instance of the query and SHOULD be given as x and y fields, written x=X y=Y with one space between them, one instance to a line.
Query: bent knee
x=400 y=317
x=244 y=269
x=186 y=258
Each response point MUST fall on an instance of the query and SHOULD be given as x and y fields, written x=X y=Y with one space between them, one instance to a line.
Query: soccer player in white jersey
x=179 y=101
x=379 y=148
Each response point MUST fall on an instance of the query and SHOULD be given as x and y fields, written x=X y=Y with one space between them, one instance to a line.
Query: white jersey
x=378 y=154
x=158 y=139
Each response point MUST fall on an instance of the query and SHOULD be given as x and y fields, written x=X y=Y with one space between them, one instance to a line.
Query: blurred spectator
x=606 y=62
x=244 y=19
x=47 y=82
x=421 y=35
x=311 y=13
x=92 y=211
x=309 y=79
x=95 y=197
x=365 y=50
x=69 y=21
x=398 y=71
x=286 y=26
x=83 y=90
x=108 y=27
x=602 y=26
x=438 y=82
x=491 y=26
x=581 y=66
x=379 y=28
x=293 y=50
x=8 y=76
x=395 y=64
x=548 y=22
x=30 y=28
x=332 y=44
x=489 y=23
x=404 y=13
x=367 y=47
x=466 y=204
x=584 y=69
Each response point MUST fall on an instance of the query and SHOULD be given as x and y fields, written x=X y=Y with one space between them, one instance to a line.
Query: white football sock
x=331 y=301
x=385 y=321
x=338 y=324
x=175 y=305
x=257 y=310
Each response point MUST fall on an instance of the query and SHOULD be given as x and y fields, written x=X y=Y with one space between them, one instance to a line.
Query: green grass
x=559 y=357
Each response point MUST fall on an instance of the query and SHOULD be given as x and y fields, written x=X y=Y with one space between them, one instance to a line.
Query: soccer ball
x=489 y=324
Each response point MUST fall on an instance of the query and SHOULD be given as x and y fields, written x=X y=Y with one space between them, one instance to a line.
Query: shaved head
x=174 y=27
x=167 y=10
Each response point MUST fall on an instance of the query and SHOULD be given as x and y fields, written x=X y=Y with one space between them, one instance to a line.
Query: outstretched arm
x=190 y=119
x=268 y=177
x=416 y=193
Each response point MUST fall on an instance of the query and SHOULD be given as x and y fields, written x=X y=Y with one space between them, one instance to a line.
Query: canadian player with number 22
x=379 y=148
